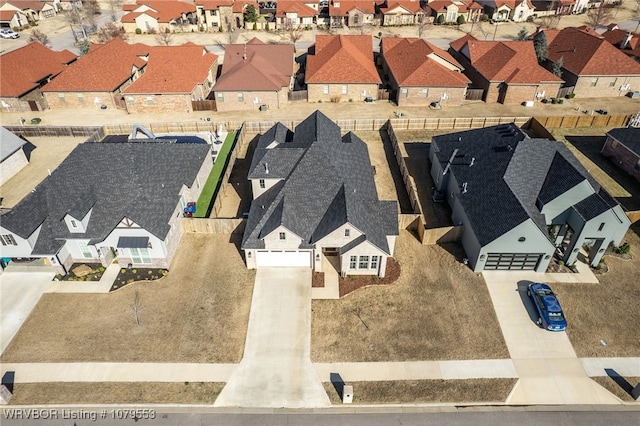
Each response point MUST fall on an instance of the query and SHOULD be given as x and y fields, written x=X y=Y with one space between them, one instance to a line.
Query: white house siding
x=12 y=165
x=557 y=206
x=255 y=186
x=364 y=249
x=22 y=249
x=336 y=239
x=290 y=242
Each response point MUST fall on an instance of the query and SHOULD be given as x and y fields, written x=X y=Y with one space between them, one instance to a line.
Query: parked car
x=550 y=315
x=7 y=33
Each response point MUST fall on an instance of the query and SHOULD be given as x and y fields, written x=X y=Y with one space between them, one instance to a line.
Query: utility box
x=347 y=394
x=5 y=395
x=635 y=392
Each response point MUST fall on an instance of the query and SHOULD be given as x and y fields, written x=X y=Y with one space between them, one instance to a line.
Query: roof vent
x=464 y=188
x=266 y=168
x=473 y=160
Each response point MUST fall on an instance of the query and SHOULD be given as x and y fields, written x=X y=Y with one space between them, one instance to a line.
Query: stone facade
x=246 y=101
x=342 y=92
x=165 y=102
x=624 y=158
x=32 y=101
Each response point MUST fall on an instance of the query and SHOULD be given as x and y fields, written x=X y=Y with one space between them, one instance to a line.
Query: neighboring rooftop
x=163 y=10
x=627 y=136
x=341 y=59
x=10 y=143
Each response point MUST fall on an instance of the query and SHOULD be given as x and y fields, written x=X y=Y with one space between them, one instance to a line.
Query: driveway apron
x=276 y=370
x=548 y=369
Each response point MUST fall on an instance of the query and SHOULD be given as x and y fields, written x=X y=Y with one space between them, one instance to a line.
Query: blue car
x=550 y=315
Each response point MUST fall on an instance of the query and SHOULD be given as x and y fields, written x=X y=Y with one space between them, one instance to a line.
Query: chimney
x=266 y=168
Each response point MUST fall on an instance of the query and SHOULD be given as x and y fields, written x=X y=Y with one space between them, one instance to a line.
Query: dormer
x=77 y=225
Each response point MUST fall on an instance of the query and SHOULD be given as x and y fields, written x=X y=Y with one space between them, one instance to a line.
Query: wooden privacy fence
x=237 y=143
x=474 y=94
x=540 y=130
x=409 y=220
x=92 y=132
x=206 y=105
x=298 y=95
x=184 y=127
x=213 y=226
x=409 y=183
x=447 y=234
x=595 y=120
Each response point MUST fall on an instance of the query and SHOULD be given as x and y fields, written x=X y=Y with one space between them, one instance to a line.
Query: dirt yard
x=620 y=386
x=426 y=391
x=437 y=313
x=607 y=311
x=44 y=154
x=197 y=313
x=115 y=393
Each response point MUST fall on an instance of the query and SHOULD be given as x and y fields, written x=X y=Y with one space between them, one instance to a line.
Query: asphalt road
x=583 y=416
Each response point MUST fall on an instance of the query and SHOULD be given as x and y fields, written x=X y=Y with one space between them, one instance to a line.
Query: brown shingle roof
x=412 y=63
x=103 y=69
x=412 y=6
x=514 y=62
x=22 y=69
x=297 y=7
x=166 y=67
x=267 y=67
x=585 y=52
x=346 y=6
x=441 y=5
x=163 y=10
x=341 y=59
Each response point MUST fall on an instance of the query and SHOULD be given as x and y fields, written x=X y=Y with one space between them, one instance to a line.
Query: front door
x=33 y=105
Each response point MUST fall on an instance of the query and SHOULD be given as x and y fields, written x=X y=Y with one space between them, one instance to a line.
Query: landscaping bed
x=128 y=276
x=351 y=283
x=82 y=272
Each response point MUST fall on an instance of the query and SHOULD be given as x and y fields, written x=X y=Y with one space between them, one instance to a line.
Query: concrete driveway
x=276 y=370
x=547 y=366
x=19 y=293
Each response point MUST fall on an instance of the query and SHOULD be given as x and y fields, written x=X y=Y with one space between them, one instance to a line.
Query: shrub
x=484 y=18
x=624 y=248
x=138 y=31
x=570 y=96
x=440 y=20
x=123 y=270
x=266 y=27
x=201 y=28
x=335 y=99
x=554 y=100
x=255 y=26
x=461 y=20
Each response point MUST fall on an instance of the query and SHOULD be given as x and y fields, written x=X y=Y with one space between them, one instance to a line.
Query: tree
x=164 y=37
x=440 y=20
x=461 y=20
x=251 y=15
x=40 y=37
x=83 y=46
x=523 y=34
x=109 y=31
x=551 y=20
x=637 y=5
x=541 y=47
x=599 y=16
x=136 y=308
x=556 y=68
x=114 y=7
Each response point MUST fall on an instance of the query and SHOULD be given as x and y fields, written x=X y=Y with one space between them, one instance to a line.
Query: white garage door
x=284 y=258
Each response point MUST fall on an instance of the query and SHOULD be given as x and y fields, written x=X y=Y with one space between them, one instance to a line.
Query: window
x=325 y=89
x=61 y=97
x=85 y=250
x=347 y=232
x=73 y=224
x=262 y=184
x=220 y=96
x=374 y=262
x=130 y=100
x=149 y=100
x=451 y=16
x=614 y=144
x=345 y=89
x=364 y=262
x=282 y=236
x=404 y=93
x=594 y=82
x=613 y=82
x=139 y=255
x=80 y=97
x=8 y=240
x=353 y=260
x=425 y=93
x=601 y=227
x=240 y=97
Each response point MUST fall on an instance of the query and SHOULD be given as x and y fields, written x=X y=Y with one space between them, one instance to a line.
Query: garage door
x=512 y=261
x=284 y=258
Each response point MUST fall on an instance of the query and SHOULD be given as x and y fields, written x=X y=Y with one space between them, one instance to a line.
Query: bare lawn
x=441 y=312
x=197 y=313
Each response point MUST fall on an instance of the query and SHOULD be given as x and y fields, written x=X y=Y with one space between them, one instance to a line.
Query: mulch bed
x=128 y=276
x=317 y=279
x=94 y=275
x=353 y=282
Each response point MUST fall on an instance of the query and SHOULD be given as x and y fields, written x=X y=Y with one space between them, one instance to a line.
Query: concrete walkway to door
x=276 y=370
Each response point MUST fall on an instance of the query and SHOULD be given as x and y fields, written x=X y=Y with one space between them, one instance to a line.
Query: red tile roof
x=256 y=66
x=297 y=7
x=514 y=62
x=617 y=37
x=25 y=4
x=585 y=52
x=7 y=15
x=105 y=68
x=412 y=6
x=22 y=69
x=166 y=67
x=441 y=5
x=412 y=62
x=164 y=11
x=346 y=6
x=213 y=4
x=341 y=59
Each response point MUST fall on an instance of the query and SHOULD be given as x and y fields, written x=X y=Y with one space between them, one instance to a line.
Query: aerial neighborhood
x=310 y=203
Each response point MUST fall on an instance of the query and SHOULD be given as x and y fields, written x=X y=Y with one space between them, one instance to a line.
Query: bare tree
x=599 y=16
x=114 y=7
x=295 y=33
x=232 y=34
x=164 y=37
x=483 y=28
x=109 y=31
x=136 y=308
x=90 y=9
x=637 y=5
x=40 y=37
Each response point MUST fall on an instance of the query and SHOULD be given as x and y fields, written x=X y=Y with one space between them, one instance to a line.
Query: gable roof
x=412 y=63
x=341 y=59
x=105 y=68
x=10 y=143
x=411 y=6
x=165 y=74
x=297 y=7
x=585 y=52
x=35 y=5
x=617 y=37
x=326 y=182
x=23 y=69
x=256 y=66
x=506 y=173
x=346 y=6
x=514 y=62
x=442 y=5
x=213 y=4
x=145 y=182
x=164 y=11
x=627 y=136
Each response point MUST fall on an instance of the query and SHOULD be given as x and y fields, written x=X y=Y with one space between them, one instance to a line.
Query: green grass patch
x=212 y=186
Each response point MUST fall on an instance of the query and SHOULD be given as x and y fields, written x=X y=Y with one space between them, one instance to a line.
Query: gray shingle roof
x=629 y=137
x=510 y=173
x=327 y=182
x=10 y=143
x=137 y=181
x=591 y=207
